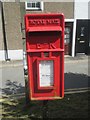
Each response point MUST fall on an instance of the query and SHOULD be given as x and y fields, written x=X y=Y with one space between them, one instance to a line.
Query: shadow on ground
x=72 y=80
x=13 y=88
x=75 y=80
x=71 y=106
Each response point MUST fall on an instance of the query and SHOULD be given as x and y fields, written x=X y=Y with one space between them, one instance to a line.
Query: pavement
x=77 y=65
x=76 y=76
x=12 y=78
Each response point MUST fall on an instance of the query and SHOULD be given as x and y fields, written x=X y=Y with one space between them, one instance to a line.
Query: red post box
x=45 y=55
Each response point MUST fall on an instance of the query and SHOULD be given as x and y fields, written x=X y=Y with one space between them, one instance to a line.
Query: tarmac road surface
x=76 y=72
x=76 y=76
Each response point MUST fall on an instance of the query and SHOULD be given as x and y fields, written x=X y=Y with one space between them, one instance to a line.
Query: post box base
x=47 y=98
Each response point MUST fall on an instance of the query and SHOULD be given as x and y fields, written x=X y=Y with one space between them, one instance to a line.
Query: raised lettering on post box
x=44 y=22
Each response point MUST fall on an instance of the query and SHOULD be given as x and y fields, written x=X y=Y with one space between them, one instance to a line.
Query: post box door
x=45 y=64
x=46 y=77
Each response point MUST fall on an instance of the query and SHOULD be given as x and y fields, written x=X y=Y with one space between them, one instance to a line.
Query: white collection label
x=46 y=73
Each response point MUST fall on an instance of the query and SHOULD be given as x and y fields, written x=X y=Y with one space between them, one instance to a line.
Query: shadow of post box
x=45 y=55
